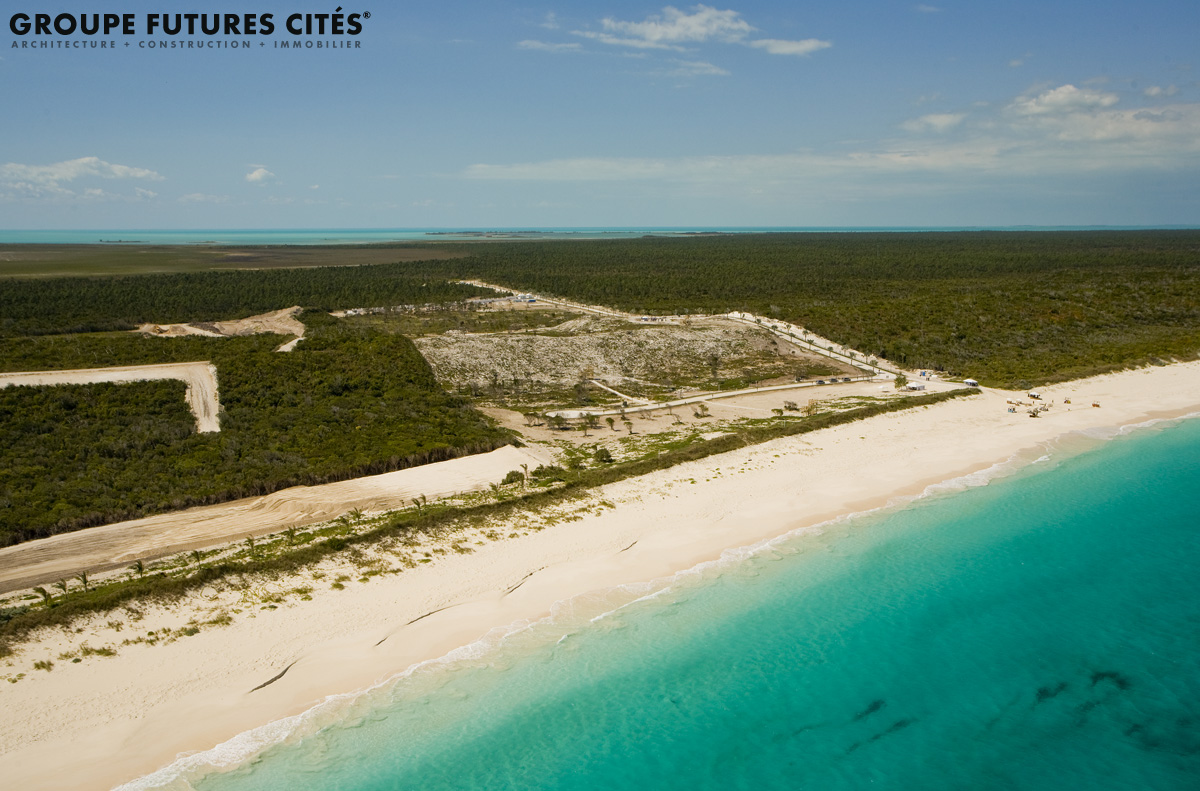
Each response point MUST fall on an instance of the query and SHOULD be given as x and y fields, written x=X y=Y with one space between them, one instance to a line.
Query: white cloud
x=608 y=38
x=1158 y=90
x=200 y=197
x=46 y=181
x=934 y=122
x=72 y=169
x=1155 y=133
x=1064 y=99
x=550 y=22
x=777 y=46
x=927 y=9
x=760 y=170
x=674 y=27
x=1095 y=138
x=314 y=186
x=259 y=175
x=542 y=46
x=673 y=30
x=144 y=194
x=695 y=68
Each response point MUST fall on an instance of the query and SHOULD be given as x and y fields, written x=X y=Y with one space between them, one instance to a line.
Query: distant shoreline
x=360 y=236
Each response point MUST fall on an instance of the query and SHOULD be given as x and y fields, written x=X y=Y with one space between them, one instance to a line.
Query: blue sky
x=492 y=114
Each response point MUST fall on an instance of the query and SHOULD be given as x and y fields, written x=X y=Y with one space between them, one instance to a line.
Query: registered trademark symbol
x=366 y=14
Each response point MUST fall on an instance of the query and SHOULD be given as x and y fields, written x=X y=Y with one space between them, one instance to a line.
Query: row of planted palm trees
x=48 y=598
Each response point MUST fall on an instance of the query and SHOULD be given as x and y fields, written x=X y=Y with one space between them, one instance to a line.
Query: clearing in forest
x=561 y=365
x=200 y=378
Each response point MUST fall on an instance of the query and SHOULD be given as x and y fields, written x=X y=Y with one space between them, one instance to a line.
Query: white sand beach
x=109 y=720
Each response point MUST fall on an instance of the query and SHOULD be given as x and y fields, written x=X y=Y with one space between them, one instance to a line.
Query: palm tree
x=45 y=594
x=82 y=577
x=138 y=568
x=62 y=586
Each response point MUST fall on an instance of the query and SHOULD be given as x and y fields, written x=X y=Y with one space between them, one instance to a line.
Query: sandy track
x=279 y=322
x=119 y=544
x=200 y=378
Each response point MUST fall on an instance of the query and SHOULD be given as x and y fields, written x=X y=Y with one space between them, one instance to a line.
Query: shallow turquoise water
x=1042 y=632
x=369 y=235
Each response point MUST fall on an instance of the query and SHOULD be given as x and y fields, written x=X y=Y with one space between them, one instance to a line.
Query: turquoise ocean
x=1041 y=631
x=326 y=236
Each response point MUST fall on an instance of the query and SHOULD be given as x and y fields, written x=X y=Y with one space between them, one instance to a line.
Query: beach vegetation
x=431 y=519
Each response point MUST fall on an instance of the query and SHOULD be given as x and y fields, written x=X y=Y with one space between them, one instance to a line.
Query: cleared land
x=553 y=367
x=279 y=322
x=116 y=545
x=1010 y=309
x=200 y=378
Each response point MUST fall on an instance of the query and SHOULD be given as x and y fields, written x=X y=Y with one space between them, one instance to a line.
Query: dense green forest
x=349 y=401
x=1007 y=308
x=96 y=304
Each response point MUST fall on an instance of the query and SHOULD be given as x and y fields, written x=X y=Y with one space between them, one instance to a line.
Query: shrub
x=551 y=472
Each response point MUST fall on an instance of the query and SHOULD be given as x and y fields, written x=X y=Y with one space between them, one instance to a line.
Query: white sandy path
x=200 y=378
x=112 y=546
x=280 y=322
x=91 y=725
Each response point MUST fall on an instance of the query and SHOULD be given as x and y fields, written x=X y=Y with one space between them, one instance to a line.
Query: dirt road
x=279 y=322
x=200 y=378
x=117 y=545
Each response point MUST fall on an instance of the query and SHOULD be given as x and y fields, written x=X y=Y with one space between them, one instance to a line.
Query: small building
x=915 y=386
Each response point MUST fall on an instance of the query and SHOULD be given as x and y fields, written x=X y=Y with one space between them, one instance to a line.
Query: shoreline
x=125 y=717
